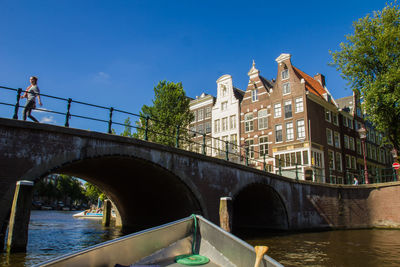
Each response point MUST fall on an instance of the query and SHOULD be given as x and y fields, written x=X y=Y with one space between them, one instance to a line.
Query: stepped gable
x=311 y=84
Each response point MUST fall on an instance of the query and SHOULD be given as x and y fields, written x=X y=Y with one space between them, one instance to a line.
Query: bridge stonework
x=152 y=184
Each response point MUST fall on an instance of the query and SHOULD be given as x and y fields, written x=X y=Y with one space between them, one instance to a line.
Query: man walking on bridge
x=30 y=94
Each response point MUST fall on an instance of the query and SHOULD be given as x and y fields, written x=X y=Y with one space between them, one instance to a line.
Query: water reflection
x=55 y=233
x=335 y=248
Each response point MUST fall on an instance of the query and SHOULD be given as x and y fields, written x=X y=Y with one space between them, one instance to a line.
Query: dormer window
x=254 y=95
x=285 y=74
x=286 y=88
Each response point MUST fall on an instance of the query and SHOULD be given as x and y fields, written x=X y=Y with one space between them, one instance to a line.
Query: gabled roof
x=238 y=93
x=311 y=84
x=267 y=84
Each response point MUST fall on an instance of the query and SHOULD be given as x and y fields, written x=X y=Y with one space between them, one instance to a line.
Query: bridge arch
x=146 y=194
x=258 y=205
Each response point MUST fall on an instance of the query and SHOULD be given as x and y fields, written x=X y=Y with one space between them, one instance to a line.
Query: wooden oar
x=260 y=251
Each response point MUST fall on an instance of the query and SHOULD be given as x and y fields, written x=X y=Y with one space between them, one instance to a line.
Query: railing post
x=146 y=129
x=204 y=144
x=15 y=117
x=68 y=115
x=110 y=120
x=280 y=167
x=394 y=175
x=177 y=137
x=227 y=150
x=265 y=164
x=297 y=174
x=247 y=156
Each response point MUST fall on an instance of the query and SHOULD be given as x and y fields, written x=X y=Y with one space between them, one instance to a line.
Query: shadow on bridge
x=144 y=193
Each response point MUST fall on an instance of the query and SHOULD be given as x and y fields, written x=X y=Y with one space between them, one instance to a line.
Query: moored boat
x=88 y=215
x=193 y=238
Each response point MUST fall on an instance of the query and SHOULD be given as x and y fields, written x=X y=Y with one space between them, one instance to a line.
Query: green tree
x=170 y=109
x=128 y=128
x=370 y=61
x=92 y=192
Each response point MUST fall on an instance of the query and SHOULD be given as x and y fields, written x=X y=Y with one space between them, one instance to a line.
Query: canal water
x=54 y=233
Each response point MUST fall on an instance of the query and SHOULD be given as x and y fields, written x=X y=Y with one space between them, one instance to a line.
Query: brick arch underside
x=259 y=206
x=144 y=193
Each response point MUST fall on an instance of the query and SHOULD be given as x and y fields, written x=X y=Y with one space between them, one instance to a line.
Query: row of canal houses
x=290 y=125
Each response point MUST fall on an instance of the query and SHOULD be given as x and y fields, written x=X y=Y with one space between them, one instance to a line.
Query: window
x=262 y=119
x=353 y=163
x=278 y=133
x=233 y=139
x=263 y=143
x=232 y=123
x=288 y=109
x=277 y=110
x=337 y=139
x=338 y=161
x=346 y=142
x=285 y=74
x=329 y=137
x=254 y=95
x=331 y=160
x=193 y=130
x=200 y=114
x=248 y=122
x=359 y=149
x=289 y=131
x=225 y=124
x=299 y=105
x=200 y=128
x=216 y=126
x=301 y=133
x=351 y=143
x=350 y=123
x=327 y=115
x=345 y=121
x=224 y=106
x=208 y=112
x=208 y=127
x=250 y=147
x=286 y=88
x=348 y=161
x=305 y=157
x=335 y=119
x=195 y=115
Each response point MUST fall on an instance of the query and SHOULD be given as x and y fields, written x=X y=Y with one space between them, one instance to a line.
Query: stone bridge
x=151 y=184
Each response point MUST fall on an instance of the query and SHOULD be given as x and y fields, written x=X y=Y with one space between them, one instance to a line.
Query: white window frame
x=232 y=122
x=286 y=88
x=329 y=117
x=289 y=131
x=254 y=95
x=288 y=103
x=248 y=122
x=262 y=119
x=301 y=129
x=329 y=137
x=285 y=74
x=299 y=106
x=263 y=145
x=336 y=137
x=281 y=131
x=277 y=110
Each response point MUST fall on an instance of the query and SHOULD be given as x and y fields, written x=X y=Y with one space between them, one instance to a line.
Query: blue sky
x=113 y=53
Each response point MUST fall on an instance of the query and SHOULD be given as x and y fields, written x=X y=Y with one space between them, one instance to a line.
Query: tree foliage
x=92 y=192
x=170 y=109
x=370 y=61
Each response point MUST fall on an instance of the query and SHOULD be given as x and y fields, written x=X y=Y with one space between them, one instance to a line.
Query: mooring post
x=107 y=213
x=225 y=213
x=19 y=218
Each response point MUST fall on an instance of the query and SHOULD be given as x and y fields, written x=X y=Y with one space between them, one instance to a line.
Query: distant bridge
x=151 y=184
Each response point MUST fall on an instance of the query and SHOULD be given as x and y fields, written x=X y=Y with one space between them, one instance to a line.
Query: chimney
x=320 y=78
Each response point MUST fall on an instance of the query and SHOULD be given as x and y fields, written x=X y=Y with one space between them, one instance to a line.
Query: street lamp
x=363 y=136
